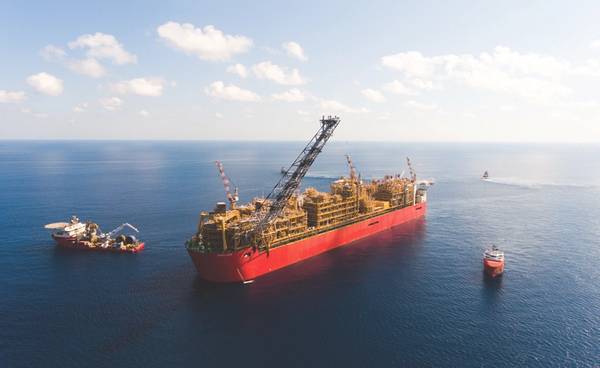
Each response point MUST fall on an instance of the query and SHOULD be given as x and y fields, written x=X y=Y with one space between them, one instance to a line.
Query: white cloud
x=595 y=44
x=398 y=87
x=238 y=69
x=53 y=53
x=144 y=113
x=293 y=95
x=152 y=87
x=373 y=95
x=111 y=103
x=293 y=49
x=39 y=115
x=103 y=46
x=530 y=76
x=385 y=116
x=278 y=74
x=420 y=106
x=302 y=112
x=82 y=107
x=90 y=67
x=412 y=63
x=507 y=108
x=11 y=97
x=46 y=83
x=422 y=84
x=218 y=115
x=336 y=106
x=206 y=43
x=230 y=92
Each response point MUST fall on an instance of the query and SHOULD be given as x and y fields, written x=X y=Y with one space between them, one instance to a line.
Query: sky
x=460 y=71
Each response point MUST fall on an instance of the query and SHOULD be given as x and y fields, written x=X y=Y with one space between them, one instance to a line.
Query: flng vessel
x=242 y=242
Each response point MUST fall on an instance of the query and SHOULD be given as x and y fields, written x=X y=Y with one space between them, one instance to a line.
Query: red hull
x=493 y=268
x=73 y=243
x=247 y=264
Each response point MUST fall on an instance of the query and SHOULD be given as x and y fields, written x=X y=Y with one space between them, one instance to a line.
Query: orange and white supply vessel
x=78 y=235
x=493 y=262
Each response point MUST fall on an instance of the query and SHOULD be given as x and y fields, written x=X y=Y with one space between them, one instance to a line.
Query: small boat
x=485 y=175
x=283 y=170
x=78 y=235
x=493 y=262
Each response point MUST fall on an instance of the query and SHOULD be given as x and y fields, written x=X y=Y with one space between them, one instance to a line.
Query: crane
x=121 y=227
x=352 y=168
x=291 y=178
x=227 y=185
x=413 y=174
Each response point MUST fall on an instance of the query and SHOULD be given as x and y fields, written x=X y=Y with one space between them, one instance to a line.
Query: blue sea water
x=412 y=296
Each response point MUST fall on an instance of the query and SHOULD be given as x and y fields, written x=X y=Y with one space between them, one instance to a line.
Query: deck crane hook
x=232 y=198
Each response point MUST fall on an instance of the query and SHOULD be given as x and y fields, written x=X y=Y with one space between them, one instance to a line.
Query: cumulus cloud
x=206 y=43
x=218 y=115
x=82 y=107
x=39 y=115
x=11 y=97
x=111 y=103
x=531 y=76
x=230 y=92
x=97 y=46
x=399 y=88
x=238 y=69
x=373 y=95
x=152 y=87
x=293 y=95
x=278 y=74
x=90 y=67
x=294 y=50
x=336 y=106
x=103 y=46
x=144 y=113
x=53 y=53
x=420 y=106
x=46 y=83
x=422 y=84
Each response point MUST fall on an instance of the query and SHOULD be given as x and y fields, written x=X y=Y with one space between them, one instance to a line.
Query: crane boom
x=413 y=174
x=121 y=227
x=351 y=167
x=227 y=185
x=291 y=178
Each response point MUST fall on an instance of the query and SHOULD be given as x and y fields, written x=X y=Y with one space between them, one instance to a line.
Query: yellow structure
x=349 y=200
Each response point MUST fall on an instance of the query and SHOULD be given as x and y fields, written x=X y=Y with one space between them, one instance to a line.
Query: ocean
x=412 y=296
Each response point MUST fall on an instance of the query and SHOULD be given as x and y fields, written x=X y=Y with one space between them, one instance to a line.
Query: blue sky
x=401 y=71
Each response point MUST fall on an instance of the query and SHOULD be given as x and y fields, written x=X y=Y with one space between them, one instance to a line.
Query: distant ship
x=493 y=262
x=485 y=176
x=78 y=235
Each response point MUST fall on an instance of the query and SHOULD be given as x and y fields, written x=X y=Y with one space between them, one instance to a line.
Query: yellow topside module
x=311 y=212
